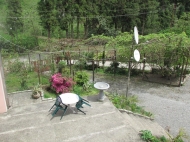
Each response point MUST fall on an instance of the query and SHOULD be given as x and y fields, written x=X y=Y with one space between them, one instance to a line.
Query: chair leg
x=87 y=104
x=55 y=111
x=81 y=111
x=51 y=107
x=65 y=109
x=85 y=100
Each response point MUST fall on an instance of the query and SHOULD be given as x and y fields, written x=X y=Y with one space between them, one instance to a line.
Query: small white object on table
x=69 y=98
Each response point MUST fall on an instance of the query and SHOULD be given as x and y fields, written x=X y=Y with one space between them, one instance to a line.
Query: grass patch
x=80 y=91
x=147 y=136
x=128 y=103
x=12 y=81
x=48 y=93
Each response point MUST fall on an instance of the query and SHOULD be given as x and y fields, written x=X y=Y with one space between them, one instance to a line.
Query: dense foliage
x=14 y=24
x=61 y=84
x=84 y=18
x=81 y=78
x=114 y=16
x=163 y=27
x=47 y=15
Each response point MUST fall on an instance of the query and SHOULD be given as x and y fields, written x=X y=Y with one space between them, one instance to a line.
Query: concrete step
x=33 y=122
x=139 y=123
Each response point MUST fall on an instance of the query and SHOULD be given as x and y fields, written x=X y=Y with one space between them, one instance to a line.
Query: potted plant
x=37 y=91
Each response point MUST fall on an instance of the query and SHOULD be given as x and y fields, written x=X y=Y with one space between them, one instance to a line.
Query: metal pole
x=128 y=78
x=129 y=69
x=93 y=70
x=39 y=70
x=182 y=71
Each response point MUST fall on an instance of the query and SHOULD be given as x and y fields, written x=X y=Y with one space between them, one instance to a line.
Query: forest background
x=24 y=21
x=163 y=26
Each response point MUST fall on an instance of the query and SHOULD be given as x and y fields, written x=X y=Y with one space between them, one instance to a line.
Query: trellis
x=44 y=59
x=169 y=65
x=40 y=62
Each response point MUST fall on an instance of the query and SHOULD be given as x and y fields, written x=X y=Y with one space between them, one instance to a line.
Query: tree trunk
x=67 y=33
x=49 y=33
x=78 y=26
x=86 y=28
x=72 y=30
x=142 y=32
x=115 y=25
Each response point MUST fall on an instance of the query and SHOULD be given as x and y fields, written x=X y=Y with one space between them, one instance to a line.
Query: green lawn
x=12 y=81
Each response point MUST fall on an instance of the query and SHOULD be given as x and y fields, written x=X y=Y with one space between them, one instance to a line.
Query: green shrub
x=61 y=65
x=136 y=72
x=14 y=66
x=122 y=71
x=87 y=86
x=89 y=55
x=147 y=136
x=80 y=64
x=113 y=67
x=22 y=70
x=128 y=103
x=27 y=41
x=52 y=68
x=66 y=72
x=81 y=91
x=81 y=78
x=179 y=137
x=23 y=76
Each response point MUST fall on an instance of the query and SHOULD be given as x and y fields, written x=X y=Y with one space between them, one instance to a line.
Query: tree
x=14 y=21
x=130 y=10
x=80 y=11
x=107 y=23
x=181 y=25
x=91 y=22
x=72 y=7
x=47 y=12
x=61 y=15
x=148 y=16
x=165 y=14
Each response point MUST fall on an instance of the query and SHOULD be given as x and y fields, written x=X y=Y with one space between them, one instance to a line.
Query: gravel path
x=170 y=105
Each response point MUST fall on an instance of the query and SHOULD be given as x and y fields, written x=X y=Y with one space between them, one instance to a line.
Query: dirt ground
x=170 y=105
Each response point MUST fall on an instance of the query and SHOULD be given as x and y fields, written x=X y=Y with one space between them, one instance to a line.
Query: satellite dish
x=136 y=55
x=136 y=35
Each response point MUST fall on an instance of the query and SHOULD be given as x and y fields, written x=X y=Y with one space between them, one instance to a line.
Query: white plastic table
x=69 y=98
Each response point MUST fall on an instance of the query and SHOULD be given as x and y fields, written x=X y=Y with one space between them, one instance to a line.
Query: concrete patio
x=29 y=120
